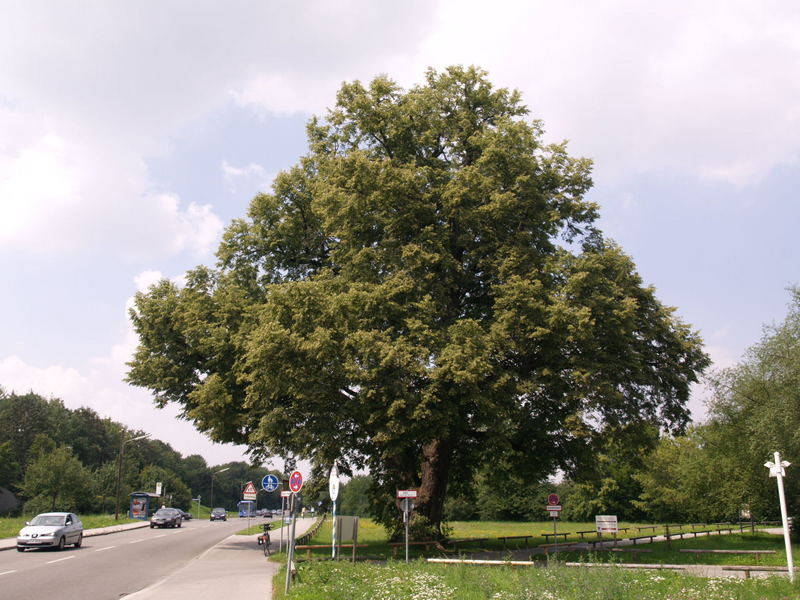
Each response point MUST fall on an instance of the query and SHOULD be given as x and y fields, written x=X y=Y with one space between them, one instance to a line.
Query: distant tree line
x=53 y=457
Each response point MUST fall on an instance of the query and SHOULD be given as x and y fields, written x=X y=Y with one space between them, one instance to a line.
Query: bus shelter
x=143 y=504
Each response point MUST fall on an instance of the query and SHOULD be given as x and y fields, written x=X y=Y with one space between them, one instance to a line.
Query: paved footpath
x=234 y=568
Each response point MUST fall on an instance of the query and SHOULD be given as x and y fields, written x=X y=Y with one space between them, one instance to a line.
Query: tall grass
x=422 y=581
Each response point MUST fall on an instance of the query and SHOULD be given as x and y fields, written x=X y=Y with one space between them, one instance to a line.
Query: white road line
x=50 y=562
x=135 y=541
x=162 y=535
x=106 y=548
x=7 y=572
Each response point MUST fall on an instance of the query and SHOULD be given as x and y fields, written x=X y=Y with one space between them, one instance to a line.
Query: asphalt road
x=110 y=566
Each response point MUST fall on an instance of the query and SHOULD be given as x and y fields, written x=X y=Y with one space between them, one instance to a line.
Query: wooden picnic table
x=515 y=537
x=455 y=543
x=748 y=568
x=395 y=546
x=756 y=553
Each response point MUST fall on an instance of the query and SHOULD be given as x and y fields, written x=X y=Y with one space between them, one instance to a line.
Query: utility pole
x=777 y=469
x=119 y=469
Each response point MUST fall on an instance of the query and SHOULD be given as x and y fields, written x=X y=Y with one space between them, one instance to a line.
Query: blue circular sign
x=269 y=483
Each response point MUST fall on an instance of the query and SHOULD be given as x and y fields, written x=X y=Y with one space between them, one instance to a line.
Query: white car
x=51 y=530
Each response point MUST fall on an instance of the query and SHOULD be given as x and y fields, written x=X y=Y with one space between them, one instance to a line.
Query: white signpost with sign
x=407 y=505
x=777 y=469
x=606 y=524
x=554 y=510
x=333 y=490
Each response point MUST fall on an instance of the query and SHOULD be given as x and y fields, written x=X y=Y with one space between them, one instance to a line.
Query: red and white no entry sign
x=296 y=481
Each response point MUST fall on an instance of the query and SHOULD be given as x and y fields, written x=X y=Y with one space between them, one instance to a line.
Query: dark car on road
x=187 y=516
x=166 y=517
x=219 y=514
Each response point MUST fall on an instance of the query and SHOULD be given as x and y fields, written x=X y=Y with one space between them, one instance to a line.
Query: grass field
x=422 y=581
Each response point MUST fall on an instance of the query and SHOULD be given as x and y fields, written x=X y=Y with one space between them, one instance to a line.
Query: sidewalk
x=234 y=568
x=11 y=543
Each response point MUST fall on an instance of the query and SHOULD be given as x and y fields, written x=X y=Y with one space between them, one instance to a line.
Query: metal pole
x=290 y=542
x=211 y=498
x=119 y=479
x=555 y=537
x=283 y=514
x=406 y=519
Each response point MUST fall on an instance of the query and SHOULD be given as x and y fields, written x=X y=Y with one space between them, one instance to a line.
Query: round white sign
x=333 y=483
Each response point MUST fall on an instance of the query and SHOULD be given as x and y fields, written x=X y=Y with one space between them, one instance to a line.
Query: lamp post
x=119 y=469
x=211 y=499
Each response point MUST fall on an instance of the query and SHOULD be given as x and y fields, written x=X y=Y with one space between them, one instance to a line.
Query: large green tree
x=424 y=292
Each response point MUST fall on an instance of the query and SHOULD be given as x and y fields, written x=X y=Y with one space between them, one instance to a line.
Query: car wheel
x=79 y=542
x=20 y=549
x=152 y=526
x=61 y=543
x=179 y=523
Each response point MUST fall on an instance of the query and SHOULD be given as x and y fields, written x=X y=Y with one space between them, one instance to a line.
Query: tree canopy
x=424 y=292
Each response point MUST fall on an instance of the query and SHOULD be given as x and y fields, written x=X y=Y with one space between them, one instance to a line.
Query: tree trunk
x=436 y=459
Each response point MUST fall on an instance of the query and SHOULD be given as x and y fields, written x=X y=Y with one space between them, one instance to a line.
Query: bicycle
x=264 y=540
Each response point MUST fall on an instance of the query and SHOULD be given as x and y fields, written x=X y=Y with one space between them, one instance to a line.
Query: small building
x=143 y=504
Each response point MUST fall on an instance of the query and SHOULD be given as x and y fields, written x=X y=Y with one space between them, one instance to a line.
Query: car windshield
x=165 y=512
x=218 y=511
x=48 y=520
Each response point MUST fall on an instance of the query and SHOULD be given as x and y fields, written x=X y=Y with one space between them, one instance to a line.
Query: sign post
x=333 y=490
x=554 y=508
x=284 y=495
x=407 y=505
x=295 y=485
x=777 y=469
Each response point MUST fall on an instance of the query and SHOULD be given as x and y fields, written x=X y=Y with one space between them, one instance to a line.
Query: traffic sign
x=285 y=493
x=296 y=481
x=553 y=499
x=269 y=483
x=554 y=514
x=406 y=493
x=250 y=491
x=555 y=507
x=333 y=483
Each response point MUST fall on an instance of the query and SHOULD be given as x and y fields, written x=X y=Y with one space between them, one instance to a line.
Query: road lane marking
x=106 y=548
x=8 y=572
x=162 y=535
x=50 y=562
x=135 y=541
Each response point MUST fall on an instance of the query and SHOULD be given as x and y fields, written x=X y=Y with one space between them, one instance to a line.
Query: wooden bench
x=396 y=546
x=643 y=537
x=756 y=553
x=556 y=547
x=309 y=547
x=515 y=537
x=747 y=569
x=633 y=551
x=455 y=543
x=643 y=527
x=581 y=533
x=555 y=535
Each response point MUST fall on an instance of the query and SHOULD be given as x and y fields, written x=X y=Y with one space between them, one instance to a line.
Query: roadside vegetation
x=422 y=581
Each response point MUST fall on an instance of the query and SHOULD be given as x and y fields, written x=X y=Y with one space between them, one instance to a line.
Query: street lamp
x=119 y=469
x=211 y=500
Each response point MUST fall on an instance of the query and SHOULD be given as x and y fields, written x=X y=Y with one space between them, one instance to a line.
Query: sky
x=132 y=133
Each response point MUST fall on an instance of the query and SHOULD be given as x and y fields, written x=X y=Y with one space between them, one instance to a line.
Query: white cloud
x=252 y=175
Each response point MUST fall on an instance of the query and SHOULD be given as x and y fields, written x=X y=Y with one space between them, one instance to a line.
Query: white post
x=333 y=535
x=777 y=470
